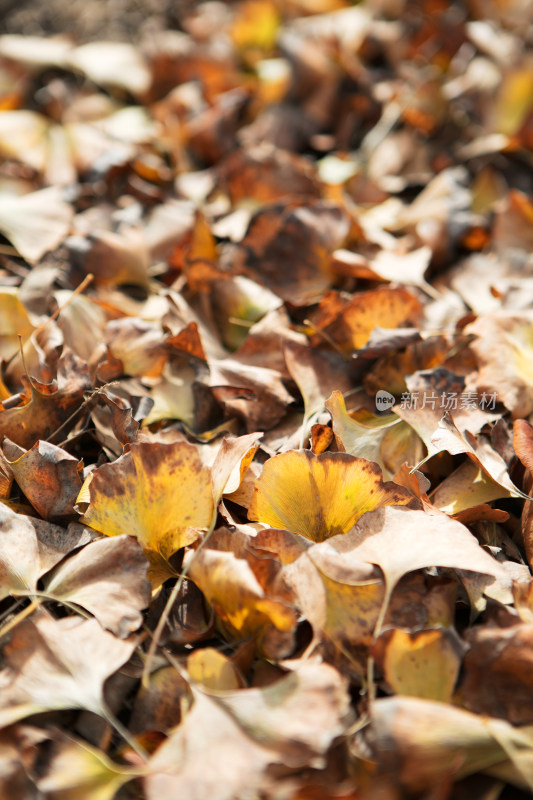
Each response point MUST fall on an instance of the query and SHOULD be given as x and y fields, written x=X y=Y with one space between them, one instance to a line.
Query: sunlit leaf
x=54 y=664
x=161 y=494
x=213 y=670
x=400 y=540
x=362 y=441
x=320 y=496
x=14 y=322
x=246 y=604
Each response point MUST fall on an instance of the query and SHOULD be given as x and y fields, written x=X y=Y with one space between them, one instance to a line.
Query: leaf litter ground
x=266 y=454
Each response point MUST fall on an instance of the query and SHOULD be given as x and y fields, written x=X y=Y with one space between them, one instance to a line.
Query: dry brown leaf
x=29 y=548
x=35 y=223
x=55 y=664
x=49 y=477
x=348 y=325
x=108 y=578
x=420 y=742
x=50 y=406
x=400 y=540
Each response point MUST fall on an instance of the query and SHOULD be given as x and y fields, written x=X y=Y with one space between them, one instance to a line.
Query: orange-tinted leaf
x=49 y=477
x=321 y=438
x=349 y=324
x=49 y=406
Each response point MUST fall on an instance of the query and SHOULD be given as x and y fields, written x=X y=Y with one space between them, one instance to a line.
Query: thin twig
x=156 y=636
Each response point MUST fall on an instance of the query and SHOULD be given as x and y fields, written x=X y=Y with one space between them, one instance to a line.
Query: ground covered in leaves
x=267 y=345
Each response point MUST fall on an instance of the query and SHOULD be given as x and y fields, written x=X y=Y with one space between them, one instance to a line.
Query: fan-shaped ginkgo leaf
x=321 y=496
x=160 y=493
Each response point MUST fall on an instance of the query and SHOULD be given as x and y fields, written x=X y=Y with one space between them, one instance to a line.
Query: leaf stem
x=371 y=686
x=173 y=596
x=14 y=621
x=121 y=729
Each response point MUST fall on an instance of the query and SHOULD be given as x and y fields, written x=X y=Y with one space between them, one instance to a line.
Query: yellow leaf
x=160 y=493
x=421 y=664
x=213 y=670
x=256 y=25
x=246 y=604
x=320 y=496
x=14 y=321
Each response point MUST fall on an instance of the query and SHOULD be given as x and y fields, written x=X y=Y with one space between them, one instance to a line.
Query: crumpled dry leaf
x=226 y=741
x=448 y=437
x=208 y=755
x=49 y=477
x=108 y=578
x=50 y=405
x=361 y=441
x=504 y=348
x=497 y=673
x=279 y=233
x=54 y=664
x=400 y=540
x=348 y=325
x=243 y=593
x=421 y=742
x=29 y=548
x=467 y=487
x=435 y=393
x=316 y=373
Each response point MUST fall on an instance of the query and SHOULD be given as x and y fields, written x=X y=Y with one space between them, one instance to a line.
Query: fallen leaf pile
x=266 y=460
